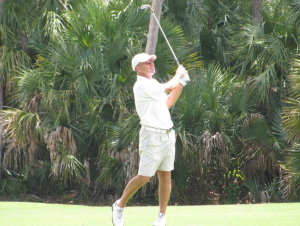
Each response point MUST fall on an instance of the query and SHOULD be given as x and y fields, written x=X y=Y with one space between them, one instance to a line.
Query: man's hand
x=185 y=79
x=180 y=71
x=174 y=82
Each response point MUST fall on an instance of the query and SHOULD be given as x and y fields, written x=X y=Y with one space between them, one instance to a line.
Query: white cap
x=140 y=58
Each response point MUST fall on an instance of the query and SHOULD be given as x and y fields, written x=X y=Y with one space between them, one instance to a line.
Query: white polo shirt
x=150 y=102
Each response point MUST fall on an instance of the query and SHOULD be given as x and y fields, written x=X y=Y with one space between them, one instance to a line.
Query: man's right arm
x=175 y=87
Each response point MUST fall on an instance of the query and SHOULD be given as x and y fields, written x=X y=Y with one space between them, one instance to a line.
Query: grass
x=40 y=214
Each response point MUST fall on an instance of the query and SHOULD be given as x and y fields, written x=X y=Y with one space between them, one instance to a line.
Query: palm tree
x=209 y=117
x=153 y=27
x=290 y=180
x=1 y=108
x=1 y=128
x=68 y=81
x=29 y=99
x=257 y=7
x=234 y=40
x=74 y=91
x=11 y=58
x=263 y=55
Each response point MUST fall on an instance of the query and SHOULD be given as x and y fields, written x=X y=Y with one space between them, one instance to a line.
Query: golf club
x=148 y=6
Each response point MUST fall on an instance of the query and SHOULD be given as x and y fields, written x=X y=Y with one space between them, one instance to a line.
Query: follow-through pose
x=157 y=138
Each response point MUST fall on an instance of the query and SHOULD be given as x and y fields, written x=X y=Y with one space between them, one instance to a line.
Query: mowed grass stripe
x=40 y=214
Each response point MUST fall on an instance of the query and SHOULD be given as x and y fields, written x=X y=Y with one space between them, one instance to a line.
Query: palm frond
x=54 y=25
x=30 y=82
x=38 y=173
x=260 y=135
x=67 y=167
x=23 y=126
x=291 y=119
x=14 y=13
x=11 y=59
x=262 y=84
x=131 y=127
x=291 y=178
x=11 y=183
x=111 y=173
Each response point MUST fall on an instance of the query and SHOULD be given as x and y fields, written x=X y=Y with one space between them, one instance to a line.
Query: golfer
x=156 y=137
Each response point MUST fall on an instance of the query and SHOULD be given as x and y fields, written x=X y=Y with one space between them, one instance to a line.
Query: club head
x=145 y=6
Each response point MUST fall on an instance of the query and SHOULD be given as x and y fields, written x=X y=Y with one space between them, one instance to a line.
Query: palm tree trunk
x=257 y=7
x=88 y=172
x=1 y=107
x=1 y=127
x=153 y=27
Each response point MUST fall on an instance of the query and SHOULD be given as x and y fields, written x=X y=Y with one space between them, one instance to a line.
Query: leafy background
x=68 y=120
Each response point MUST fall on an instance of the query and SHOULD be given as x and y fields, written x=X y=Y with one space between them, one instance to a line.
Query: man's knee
x=142 y=179
x=164 y=175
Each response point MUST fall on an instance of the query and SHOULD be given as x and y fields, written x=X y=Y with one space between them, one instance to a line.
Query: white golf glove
x=185 y=79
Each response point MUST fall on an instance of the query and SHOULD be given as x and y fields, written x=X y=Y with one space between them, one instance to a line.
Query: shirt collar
x=139 y=77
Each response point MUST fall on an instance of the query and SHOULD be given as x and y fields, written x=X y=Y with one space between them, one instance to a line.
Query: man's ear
x=137 y=68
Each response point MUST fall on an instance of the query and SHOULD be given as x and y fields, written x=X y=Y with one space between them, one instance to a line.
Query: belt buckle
x=168 y=130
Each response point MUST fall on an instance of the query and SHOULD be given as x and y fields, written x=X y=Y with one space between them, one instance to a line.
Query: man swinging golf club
x=156 y=138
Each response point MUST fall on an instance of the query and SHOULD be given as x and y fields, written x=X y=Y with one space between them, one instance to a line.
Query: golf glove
x=185 y=79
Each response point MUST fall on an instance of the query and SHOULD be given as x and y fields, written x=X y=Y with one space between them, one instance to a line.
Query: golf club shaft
x=148 y=6
x=177 y=61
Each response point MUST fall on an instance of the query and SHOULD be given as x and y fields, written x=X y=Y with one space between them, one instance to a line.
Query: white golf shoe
x=161 y=220
x=117 y=218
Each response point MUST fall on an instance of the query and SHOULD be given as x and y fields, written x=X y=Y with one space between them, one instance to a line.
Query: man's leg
x=132 y=187
x=118 y=207
x=164 y=189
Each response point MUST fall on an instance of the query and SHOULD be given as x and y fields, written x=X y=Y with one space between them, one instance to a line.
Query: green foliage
x=70 y=116
x=290 y=180
x=11 y=183
x=208 y=131
x=37 y=178
x=262 y=193
x=111 y=174
x=67 y=167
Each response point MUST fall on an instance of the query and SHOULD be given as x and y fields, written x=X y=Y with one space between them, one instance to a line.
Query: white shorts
x=157 y=152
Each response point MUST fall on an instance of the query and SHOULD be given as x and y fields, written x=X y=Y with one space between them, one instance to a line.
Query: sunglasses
x=147 y=62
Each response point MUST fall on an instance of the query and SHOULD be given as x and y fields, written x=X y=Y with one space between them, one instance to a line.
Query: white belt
x=157 y=130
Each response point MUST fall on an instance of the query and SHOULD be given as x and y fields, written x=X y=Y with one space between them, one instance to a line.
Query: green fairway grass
x=40 y=214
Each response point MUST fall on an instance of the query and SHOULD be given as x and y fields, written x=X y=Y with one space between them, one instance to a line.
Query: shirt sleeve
x=156 y=91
